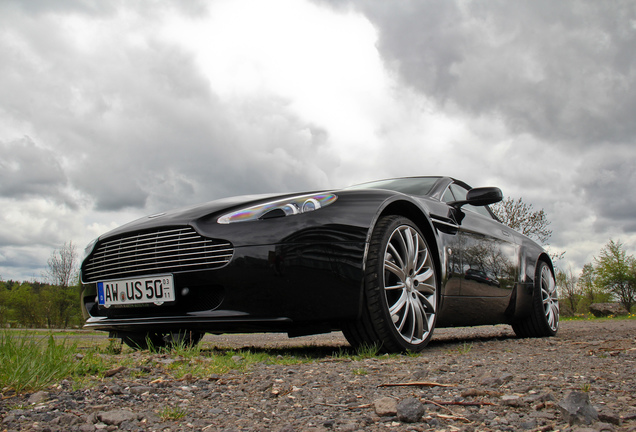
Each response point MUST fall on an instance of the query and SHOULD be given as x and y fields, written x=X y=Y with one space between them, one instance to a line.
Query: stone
x=410 y=410
x=603 y=427
x=114 y=390
x=66 y=419
x=115 y=371
x=607 y=309
x=116 y=417
x=137 y=390
x=577 y=409
x=385 y=406
x=38 y=397
x=609 y=417
x=490 y=381
x=512 y=400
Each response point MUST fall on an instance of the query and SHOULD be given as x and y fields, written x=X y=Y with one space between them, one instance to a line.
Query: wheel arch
x=416 y=214
x=546 y=258
x=522 y=300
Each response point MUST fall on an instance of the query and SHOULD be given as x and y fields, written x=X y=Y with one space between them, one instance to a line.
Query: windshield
x=409 y=185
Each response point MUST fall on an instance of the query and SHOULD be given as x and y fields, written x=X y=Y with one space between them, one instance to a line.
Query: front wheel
x=401 y=295
x=544 y=317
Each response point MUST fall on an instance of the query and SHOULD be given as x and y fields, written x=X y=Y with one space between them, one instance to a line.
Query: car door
x=487 y=259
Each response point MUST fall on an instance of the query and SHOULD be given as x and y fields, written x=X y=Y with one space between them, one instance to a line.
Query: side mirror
x=480 y=197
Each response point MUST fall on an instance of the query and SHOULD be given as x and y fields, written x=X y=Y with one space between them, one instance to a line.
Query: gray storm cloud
x=27 y=171
x=562 y=71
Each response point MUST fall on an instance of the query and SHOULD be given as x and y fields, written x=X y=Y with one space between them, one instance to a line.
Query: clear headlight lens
x=286 y=207
x=89 y=248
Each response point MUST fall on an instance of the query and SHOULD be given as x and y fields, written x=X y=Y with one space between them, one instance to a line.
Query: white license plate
x=148 y=290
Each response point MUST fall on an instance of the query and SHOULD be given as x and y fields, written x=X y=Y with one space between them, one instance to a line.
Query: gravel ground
x=468 y=379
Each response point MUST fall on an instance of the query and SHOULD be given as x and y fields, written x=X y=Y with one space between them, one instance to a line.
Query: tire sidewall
x=375 y=286
x=538 y=301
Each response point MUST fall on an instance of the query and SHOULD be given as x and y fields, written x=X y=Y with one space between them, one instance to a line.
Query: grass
x=362 y=352
x=464 y=348
x=589 y=317
x=33 y=360
x=28 y=364
x=172 y=413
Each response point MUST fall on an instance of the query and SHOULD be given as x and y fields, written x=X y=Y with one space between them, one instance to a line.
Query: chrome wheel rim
x=549 y=298
x=410 y=284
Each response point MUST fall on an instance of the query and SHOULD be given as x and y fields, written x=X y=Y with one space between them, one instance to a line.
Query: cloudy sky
x=113 y=110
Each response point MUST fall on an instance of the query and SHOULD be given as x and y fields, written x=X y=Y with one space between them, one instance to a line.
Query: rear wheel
x=401 y=295
x=544 y=317
x=159 y=340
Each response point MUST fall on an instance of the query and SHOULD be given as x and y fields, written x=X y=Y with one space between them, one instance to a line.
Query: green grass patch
x=172 y=413
x=464 y=348
x=589 y=317
x=30 y=363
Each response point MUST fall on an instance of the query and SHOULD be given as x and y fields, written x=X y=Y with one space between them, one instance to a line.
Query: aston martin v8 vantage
x=386 y=262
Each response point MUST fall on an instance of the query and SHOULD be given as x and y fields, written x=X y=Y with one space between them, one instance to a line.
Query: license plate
x=149 y=290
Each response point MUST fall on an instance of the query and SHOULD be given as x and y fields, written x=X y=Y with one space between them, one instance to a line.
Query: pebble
x=501 y=384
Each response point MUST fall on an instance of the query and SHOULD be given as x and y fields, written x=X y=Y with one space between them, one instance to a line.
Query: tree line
x=51 y=304
x=611 y=277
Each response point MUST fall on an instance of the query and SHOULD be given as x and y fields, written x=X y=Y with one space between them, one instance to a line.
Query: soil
x=468 y=379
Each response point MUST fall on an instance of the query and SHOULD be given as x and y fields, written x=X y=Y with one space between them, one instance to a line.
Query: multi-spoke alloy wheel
x=549 y=298
x=543 y=319
x=410 y=284
x=401 y=290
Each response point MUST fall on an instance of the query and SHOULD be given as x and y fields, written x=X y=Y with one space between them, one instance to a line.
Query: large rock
x=607 y=309
x=116 y=417
x=410 y=410
x=385 y=406
x=38 y=397
x=577 y=409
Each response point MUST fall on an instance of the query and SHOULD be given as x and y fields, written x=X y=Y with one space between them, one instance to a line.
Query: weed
x=31 y=363
x=114 y=346
x=586 y=387
x=172 y=413
x=360 y=371
x=464 y=348
x=368 y=351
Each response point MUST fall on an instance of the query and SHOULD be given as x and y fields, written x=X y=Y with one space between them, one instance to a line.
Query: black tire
x=544 y=317
x=154 y=340
x=400 y=295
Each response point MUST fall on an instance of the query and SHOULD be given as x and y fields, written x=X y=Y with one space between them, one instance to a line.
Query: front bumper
x=284 y=287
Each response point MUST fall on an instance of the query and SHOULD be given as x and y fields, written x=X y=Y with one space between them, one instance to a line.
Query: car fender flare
x=521 y=300
x=404 y=205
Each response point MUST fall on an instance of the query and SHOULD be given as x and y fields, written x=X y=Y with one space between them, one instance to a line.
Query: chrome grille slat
x=151 y=255
x=162 y=250
x=141 y=263
x=133 y=272
x=153 y=240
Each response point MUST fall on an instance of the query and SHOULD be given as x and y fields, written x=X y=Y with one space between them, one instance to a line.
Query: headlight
x=286 y=207
x=89 y=248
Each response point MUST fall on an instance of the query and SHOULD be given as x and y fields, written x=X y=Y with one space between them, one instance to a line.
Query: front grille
x=163 y=250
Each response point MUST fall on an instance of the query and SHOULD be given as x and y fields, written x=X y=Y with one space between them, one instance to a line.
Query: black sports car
x=385 y=262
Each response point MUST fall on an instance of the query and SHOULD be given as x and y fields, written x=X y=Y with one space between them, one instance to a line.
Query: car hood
x=187 y=215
